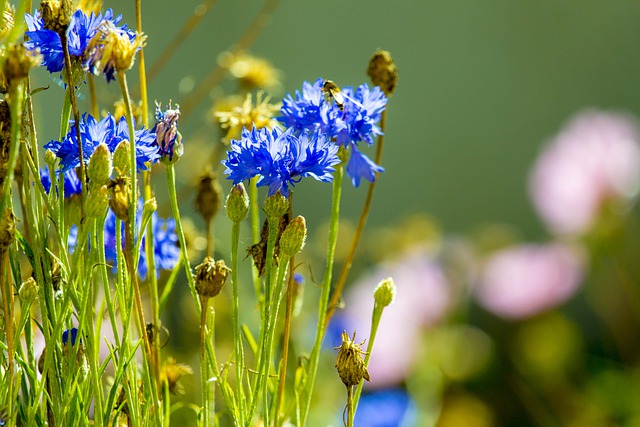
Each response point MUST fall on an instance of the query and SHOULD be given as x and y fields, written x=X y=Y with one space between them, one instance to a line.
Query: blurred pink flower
x=522 y=281
x=422 y=299
x=596 y=157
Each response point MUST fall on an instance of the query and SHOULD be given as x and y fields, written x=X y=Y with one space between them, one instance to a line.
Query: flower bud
x=237 y=203
x=50 y=158
x=28 y=292
x=167 y=136
x=293 y=237
x=56 y=15
x=276 y=206
x=385 y=292
x=99 y=170
x=97 y=202
x=349 y=363
x=210 y=277
x=208 y=195
x=383 y=71
x=120 y=197
x=121 y=158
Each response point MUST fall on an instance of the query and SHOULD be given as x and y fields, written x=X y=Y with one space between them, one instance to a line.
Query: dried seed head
x=349 y=363
x=210 y=277
x=7 y=229
x=208 y=195
x=112 y=49
x=383 y=71
x=293 y=237
x=171 y=374
x=120 y=197
x=56 y=15
x=385 y=292
x=18 y=62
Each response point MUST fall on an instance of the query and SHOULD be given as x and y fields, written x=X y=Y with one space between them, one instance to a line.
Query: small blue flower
x=386 y=408
x=70 y=334
x=105 y=131
x=165 y=243
x=72 y=184
x=281 y=158
x=166 y=129
x=81 y=29
x=356 y=122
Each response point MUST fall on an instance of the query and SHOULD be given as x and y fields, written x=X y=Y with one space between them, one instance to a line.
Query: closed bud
x=210 y=277
x=383 y=71
x=28 y=292
x=349 y=363
x=293 y=237
x=100 y=166
x=56 y=15
x=50 y=158
x=276 y=206
x=120 y=197
x=385 y=292
x=237 y=203
x=97 y=202
x=121 y=158
x=208 y=195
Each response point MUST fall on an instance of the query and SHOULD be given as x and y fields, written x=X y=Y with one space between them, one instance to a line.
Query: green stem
x=237 y=337
x=204 y=367
x=326 y=287
x=375 y=322
x=173 y=198
x=255 y=232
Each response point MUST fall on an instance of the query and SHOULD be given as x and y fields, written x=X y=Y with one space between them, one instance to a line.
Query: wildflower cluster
x=106 y=131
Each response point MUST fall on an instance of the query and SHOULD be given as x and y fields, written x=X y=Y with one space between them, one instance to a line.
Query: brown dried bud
x=56 y=15
x=28 y=292
x=7 y=229
x=383 y=71
x=18 y=62
x=208 y=195
x=210 y=277
x=349 y=363
x=120 y=197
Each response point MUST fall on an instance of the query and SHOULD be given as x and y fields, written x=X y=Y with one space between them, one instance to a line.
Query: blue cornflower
x=165 y=243
x=106 y=132
x=281 y=158
x=386 y=408
x=166 y=129
x=72 y=184
x=70 y=334
x=81 y=29
x=355 y=123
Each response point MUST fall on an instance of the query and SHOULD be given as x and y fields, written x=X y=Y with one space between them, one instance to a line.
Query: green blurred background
x=482 y=85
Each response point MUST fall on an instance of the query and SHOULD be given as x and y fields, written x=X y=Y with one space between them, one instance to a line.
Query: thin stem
x=71 y=90
x=255 y=232
x=198 y=13
x=141 y=68
x=204 y=366
x=16 y=101
x=173 y=198
x=326 y=287
x=286 y=336
x=346 y=267
x=237 y=334
x=258 y=24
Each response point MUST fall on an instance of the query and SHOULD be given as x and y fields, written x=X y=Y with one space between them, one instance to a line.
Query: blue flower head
x=70 y=335
x=105 y=131
x=165 y=243
x=356 y=122
x=281 y=158
x=81 y=29
x=167 y=136
x=72 y=184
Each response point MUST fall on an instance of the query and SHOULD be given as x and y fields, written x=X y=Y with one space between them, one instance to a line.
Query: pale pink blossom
x=422 y=299
x=595 y=158
x=525 y=280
